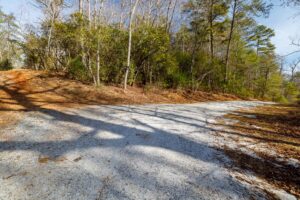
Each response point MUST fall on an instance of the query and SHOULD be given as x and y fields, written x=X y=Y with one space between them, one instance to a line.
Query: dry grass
x=278 y=128
x=278 y=125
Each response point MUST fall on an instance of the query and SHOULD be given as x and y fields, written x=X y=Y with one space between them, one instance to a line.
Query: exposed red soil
x=28 y=90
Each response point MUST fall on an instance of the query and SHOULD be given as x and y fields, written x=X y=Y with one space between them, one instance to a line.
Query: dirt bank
x=28 y=90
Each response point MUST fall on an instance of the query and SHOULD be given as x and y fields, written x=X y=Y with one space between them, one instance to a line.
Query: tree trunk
x=195 y=47
x=80 y=6
x=89 y=11
x=211 y=34
x=50 y=36
x=257 y=46
x=168 y=12
x=132 y=11
x=122 y=7
x=98 y=65
x=53 y=13
x=172 y=15
x=89 y=65
x=264 y=89
x=230 y=39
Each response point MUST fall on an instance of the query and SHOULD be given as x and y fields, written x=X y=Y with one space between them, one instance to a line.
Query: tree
x=207 y=24
x=292 y=2
x=242 y=12
x=232 y=25
x=293 y=68
x=260 y=39
x=132 y=12
x=218 y=40
x=10 y=36
x=208 y=19
x=51 y=9
x=80 y=6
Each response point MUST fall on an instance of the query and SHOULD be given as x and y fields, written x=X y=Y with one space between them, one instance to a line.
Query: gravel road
x=119 y=152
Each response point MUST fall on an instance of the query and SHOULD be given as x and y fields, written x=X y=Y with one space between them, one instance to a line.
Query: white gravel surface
x=120 y=152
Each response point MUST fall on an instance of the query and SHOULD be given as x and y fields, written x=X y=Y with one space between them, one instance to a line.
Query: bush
x=281 y=99
x=76 y=70
x=6 y=65
x=176 y=80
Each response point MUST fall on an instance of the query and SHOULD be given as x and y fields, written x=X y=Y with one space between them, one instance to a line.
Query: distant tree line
x=213 y=45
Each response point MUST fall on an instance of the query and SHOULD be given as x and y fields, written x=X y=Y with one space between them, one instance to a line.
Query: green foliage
x=77 y=70
x=291 y=92
x=273 y=88
x=194 y=57
x=10 y=50
x=5 y=65
x=260 y=39
x=176 y=80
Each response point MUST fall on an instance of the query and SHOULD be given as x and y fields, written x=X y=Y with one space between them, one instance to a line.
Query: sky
x=282 y=19
x=23 y=10
x=285 y=21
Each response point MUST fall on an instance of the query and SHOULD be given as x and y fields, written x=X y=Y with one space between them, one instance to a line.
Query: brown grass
x=278 y=127
x=277 y=124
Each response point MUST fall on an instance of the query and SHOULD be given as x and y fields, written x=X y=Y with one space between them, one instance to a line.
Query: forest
x=191 y=45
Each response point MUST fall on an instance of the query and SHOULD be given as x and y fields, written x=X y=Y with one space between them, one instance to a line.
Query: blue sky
x=22 y=9
x=281 y=19
x=286 y=25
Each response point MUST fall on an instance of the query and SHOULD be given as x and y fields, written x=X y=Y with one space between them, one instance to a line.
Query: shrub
x=76 y=70
x=6 y=65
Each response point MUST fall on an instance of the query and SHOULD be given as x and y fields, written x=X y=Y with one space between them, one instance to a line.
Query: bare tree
x=293 y=67
x=96 y=21
x=295 y=42
x=170 y=13
x=132 y=12
x=52 y=9
x=281 y=62
x=122 y=15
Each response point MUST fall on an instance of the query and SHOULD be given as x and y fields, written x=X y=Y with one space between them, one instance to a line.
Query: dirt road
x=122 y=152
